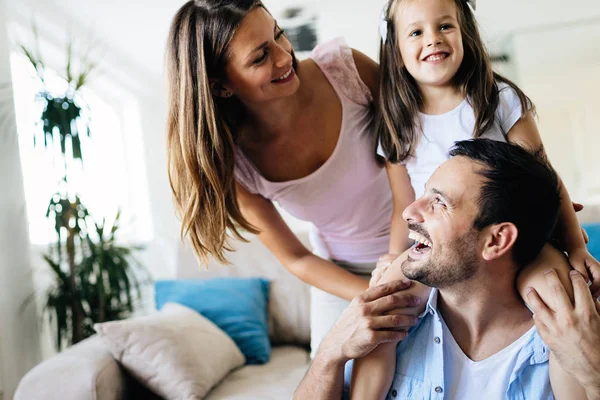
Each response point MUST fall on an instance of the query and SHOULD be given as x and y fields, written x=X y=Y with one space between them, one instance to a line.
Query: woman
x=249 y=125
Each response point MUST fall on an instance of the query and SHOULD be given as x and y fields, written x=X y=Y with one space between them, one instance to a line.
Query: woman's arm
x=291 y=253
x=525 y=133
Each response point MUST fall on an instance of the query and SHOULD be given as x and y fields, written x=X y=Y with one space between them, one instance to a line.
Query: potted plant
x=95 y=278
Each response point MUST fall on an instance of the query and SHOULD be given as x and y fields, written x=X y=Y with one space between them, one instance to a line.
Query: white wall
x=355 y=20
x=559 y=68
x=19 y=341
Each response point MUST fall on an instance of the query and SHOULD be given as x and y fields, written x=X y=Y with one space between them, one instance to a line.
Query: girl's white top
x=440 y=132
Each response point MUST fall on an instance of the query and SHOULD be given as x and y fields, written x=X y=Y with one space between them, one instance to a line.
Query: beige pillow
x=289 y=312
x=177 y=353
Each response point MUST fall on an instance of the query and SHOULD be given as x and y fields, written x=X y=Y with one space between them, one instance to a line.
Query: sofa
x=88 y=371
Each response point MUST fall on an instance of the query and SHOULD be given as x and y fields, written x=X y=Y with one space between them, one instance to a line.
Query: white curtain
x=19 y=339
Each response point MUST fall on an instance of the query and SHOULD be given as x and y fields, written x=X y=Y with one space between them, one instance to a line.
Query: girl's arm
x=564 y=385
x=525 y=133
x=291 y=253
x=402 y=194
x=372 y=375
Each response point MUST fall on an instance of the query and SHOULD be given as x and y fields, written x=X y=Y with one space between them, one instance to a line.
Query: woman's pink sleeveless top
x=348 y=199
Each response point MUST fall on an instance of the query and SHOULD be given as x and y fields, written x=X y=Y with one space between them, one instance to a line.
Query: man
x=487 y=212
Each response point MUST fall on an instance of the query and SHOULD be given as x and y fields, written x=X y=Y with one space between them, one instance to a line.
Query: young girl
x=440 y=88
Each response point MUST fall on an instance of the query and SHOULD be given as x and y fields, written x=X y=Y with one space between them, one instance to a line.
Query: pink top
x=348 y=199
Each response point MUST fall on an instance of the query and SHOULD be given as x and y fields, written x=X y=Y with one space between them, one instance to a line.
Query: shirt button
x=437 y=340
x=394 y=393
x=431 y=312
x=438 y=389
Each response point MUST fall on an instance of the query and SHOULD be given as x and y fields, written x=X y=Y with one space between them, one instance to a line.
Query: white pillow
x=177 y=353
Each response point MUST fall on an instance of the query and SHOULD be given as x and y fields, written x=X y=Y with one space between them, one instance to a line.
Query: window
x=111 y=178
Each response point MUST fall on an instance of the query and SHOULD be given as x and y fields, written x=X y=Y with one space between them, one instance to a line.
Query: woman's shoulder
x=337 y=62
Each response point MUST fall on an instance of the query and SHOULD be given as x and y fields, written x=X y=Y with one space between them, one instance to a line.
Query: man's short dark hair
x=519 y=187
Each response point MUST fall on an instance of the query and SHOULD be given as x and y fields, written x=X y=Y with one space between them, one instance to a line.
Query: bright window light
x=105 y=183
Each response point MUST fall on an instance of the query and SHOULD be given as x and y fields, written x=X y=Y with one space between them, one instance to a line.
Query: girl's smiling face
x=430 y=40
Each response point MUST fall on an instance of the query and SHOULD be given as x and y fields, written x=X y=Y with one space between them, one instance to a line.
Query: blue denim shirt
x=420 y=364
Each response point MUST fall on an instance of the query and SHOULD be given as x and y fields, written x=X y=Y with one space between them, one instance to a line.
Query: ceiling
x=137 y=29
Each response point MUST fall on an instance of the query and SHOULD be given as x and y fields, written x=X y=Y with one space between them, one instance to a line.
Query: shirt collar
x=431 y=307
x=533 y=352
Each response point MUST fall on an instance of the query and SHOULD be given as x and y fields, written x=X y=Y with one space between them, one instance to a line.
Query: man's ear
x=218 y=89
x=499 y=240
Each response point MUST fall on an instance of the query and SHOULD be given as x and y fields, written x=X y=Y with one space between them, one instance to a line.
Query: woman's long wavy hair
x=201 y=128
x=400 y=98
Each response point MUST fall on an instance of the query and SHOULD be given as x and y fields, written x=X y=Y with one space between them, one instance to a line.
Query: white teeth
x=419 y=238
x=284 y=76
x=435 y=57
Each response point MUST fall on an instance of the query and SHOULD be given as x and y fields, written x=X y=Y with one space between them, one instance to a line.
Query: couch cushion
x=289 y=312
x=289 y=305
x=236 y=305
x=273 y=381
x=177 y=353
x=593 y=231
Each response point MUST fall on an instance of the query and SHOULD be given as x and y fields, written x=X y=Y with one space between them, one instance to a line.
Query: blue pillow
x=593 y=231
x=236 y=305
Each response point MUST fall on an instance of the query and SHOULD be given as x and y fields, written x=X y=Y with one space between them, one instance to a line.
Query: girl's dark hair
x=400 y=99
x=201 y=128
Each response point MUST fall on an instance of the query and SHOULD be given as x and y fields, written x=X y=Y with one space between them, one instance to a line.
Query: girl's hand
x=578 y=207
x=389 y=270
x=582 y=261
x=382 y=265
x=586 y=238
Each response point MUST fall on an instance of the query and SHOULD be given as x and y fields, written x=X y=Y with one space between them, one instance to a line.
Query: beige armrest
x=86 y=371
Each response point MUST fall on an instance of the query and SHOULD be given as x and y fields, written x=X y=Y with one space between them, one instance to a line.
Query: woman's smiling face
x=262 y=65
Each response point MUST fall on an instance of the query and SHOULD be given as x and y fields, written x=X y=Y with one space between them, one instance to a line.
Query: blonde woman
x=249 y=125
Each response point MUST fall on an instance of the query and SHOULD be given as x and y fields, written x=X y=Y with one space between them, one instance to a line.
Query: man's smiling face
x=441 y=222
